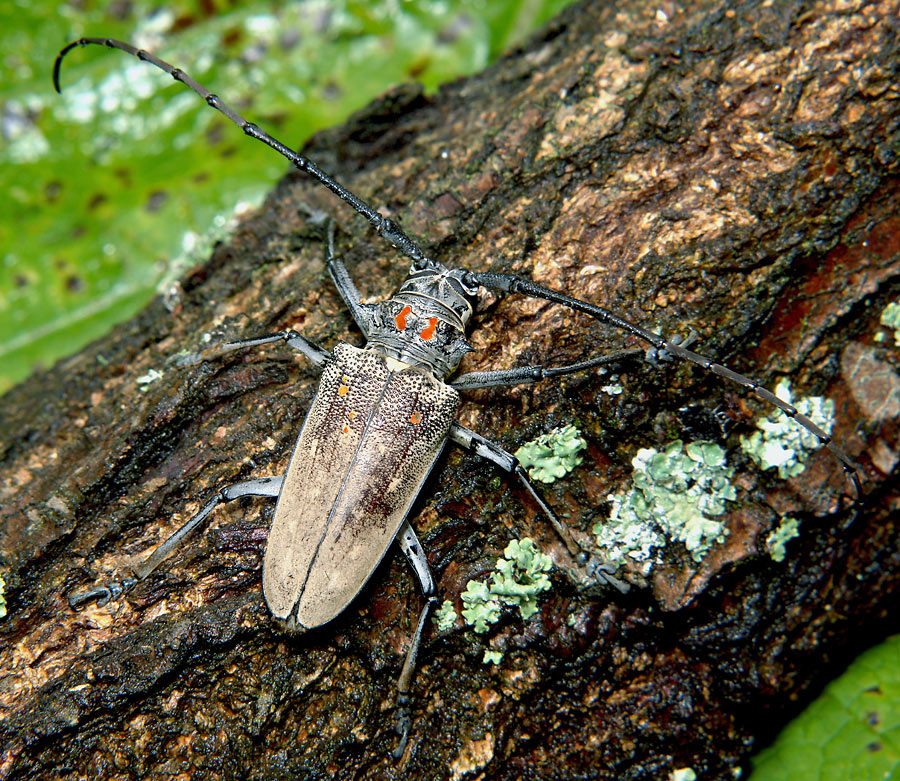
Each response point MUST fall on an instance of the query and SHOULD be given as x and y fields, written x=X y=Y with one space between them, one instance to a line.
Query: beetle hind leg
x=415 y=555
x=261 y=486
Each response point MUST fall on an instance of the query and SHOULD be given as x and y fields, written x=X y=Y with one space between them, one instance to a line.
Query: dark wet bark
x=727 y=168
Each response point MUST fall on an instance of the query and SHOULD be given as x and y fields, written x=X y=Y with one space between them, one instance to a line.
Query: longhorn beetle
x=380 y=417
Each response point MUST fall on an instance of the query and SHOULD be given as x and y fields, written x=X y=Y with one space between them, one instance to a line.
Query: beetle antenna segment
x=384 y=226
x=510 y=284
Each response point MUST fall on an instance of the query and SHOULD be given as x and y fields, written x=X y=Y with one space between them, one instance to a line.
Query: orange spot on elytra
x=400 y=319
x=416 y=417
x=351 y=414
x=342 y=391
x=428 y=333
x=346 y=429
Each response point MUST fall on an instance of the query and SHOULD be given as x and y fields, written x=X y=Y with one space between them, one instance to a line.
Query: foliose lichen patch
x=552 y=455
x=783 y=444
x=519 y=577
x=890 y=318
x=677 y=495
x=779 y=537
x=445 y=616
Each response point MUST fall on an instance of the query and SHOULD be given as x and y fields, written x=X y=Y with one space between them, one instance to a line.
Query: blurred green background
x=116 y=186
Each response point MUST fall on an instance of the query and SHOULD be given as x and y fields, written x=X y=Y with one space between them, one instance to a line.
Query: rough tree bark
x=730 y=168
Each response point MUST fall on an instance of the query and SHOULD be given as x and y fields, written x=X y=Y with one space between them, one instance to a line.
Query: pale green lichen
x=2 y=598
x=520 y=577
x=445 y=616
x=683 y=774
x=552 y=455
x=890 y=318
x=777 y=539
x=481 y=608
x=676 y=496
x=146 y=380
x=613 y=387
x=782 y=443
x=492 y=657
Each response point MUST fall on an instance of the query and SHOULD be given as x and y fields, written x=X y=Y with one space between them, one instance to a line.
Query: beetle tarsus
x=102 y=594
x=657 y=355
x=598 y=571
x=402 y=726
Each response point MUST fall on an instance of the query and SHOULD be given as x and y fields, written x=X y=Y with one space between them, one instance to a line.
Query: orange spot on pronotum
x=400 y=319
x=342 y=391
x=415 y=418
x=428 y=333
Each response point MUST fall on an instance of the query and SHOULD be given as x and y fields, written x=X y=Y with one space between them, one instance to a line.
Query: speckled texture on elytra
x=369 y=440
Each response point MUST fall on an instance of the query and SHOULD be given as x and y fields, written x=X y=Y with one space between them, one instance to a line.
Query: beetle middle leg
x=477 y=444
x=261 y=486
x=292 y=339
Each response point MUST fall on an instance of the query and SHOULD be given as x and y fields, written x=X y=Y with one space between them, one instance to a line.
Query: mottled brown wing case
x=369 y=440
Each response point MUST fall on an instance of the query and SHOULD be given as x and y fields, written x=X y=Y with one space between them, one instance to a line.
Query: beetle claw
x=82 y=598
x=594 y=570
x=402 y=727
x=656 y=355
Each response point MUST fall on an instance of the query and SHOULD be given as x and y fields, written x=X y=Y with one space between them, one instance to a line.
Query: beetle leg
x=415 y=555
x=477 y=444
x=261 y=486
x=293 y=339
x=525 y=374
x=346 y=288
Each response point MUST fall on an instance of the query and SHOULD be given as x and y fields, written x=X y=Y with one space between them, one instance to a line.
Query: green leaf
x=126 y=179
x=851 y=732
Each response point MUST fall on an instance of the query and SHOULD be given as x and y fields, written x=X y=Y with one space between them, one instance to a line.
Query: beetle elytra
x=379 y=420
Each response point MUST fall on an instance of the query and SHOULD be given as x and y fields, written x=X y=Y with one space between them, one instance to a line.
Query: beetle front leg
x=475 y=443
x=415 y=555
x=262 y=486
x=343 y=282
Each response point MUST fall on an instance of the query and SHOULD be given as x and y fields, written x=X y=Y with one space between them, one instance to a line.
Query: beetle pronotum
x=380 y=417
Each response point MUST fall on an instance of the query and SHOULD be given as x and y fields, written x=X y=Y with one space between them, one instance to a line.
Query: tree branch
x=725 y=168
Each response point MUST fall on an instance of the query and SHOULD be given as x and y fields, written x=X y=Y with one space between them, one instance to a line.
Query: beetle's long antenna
x=510 y=284
x=385 y=227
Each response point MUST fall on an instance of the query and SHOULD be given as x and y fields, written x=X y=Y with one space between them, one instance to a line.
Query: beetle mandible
x=380 y=418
